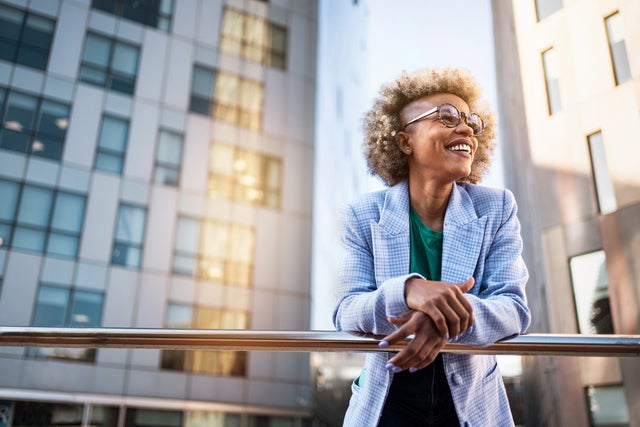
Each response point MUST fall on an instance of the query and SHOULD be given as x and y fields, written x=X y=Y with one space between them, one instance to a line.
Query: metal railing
x=304 y=341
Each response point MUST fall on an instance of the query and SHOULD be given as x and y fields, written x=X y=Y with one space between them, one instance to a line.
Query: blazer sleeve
x=363 y=305
x=500 y=308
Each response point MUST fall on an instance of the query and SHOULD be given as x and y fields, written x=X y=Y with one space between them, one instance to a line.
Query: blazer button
x=457 y=379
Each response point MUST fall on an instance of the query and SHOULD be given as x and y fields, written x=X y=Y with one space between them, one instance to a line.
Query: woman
x=433 y=256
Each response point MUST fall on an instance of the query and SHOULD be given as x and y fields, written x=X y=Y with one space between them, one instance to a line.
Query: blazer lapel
x=391 y=241
x=463 y=238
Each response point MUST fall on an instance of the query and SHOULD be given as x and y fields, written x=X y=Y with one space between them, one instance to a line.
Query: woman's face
x=433 y=150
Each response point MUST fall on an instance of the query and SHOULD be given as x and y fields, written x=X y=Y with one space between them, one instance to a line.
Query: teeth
x=460 y=147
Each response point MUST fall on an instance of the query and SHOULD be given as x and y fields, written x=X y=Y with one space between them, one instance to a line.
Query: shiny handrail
x=304 y=341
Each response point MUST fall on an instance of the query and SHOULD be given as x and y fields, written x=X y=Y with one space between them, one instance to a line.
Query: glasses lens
x=475 y=122
x=449 y=115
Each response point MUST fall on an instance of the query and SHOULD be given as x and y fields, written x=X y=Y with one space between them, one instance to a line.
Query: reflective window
x=551 y=76
x=245 y=176
x=109 y=63
x=214 y=251
x=137 y=417
x=591 y=293
x=168 y=158
x=62 y=308
x=32 y=414
x=605 y=191
x=608 y=406
x=545 y=8
x=129 y=236
x=227 y=97
x=112 y=144
x=25 y=38
x=226 y=363
x=40 y=219
x=153 y=13
x=617 y=48
x=254 y=38
x=32 y=125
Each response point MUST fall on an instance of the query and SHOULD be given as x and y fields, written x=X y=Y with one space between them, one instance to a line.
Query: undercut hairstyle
x=382 y=123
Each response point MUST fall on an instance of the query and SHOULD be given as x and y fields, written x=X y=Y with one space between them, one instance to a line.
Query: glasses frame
x=461 y=116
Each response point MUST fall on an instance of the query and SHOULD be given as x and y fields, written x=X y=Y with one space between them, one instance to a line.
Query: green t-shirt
x=426 y=249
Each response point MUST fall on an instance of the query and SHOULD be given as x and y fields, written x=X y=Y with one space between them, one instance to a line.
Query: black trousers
x=422 y=398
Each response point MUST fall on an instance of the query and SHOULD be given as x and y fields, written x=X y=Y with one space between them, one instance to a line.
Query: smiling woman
x=434 y=258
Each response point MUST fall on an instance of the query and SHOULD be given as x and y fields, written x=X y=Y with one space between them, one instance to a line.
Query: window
x=254 y=38
x=617 y=48
x=227 y=363
x=551 y=73
x=109 y=63
x=607 y=406
x=40 y=219
x=245 y=176
x=591 y=293
x=604 y=184
x=153 y=13
x=66 y=308
x=127 y=245
x=32 y=414
x=214 y=251
x=545 y=8
x=227 y=97
x=138 y=417
x=168 y=158
x=25 y=38
x=32 y=125
x=112 y=144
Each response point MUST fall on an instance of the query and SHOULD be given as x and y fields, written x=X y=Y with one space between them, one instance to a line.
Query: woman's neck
x=430 y=200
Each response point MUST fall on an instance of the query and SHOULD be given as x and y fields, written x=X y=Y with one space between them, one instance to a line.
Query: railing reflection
x=304 y=341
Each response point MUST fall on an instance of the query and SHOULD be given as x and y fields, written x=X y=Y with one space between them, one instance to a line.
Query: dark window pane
x=51 y=307
x=97 y=51
x=86 y=309
x=20 y=113
x=200 y=105
x=9 y=196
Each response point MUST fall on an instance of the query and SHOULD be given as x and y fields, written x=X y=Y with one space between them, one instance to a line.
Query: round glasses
x=450 y=116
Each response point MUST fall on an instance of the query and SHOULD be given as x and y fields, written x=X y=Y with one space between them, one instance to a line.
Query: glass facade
x=129 y=236
x=214 y=251
x=25 y=37
x=66 y=307
x=224 y=363
x=108 y=63
x=617 y=48
x=227 y=97
x=245 y=176
x=168 y=158
x=112 y=144
x=552 y=81
x=40 y=219
x=254 y=38
x=153 y=13
x=32 y=125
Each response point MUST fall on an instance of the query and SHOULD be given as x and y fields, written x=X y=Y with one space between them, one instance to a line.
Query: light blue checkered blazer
x=481 y=239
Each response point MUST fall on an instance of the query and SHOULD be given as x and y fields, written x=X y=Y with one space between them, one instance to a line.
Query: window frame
x=619 y=64
x=20 y=44
x=551 y=82
x=103 y=151
x=161 y=164
x=118 y=244
x=113 y=79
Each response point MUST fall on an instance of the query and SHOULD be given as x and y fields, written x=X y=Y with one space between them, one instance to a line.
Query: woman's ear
x=402 y=139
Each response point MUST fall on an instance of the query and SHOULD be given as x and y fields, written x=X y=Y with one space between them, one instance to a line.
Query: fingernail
x=412 y=370
x=392 y=316
x=396 y=369
x=383 y=344
x=390 y=366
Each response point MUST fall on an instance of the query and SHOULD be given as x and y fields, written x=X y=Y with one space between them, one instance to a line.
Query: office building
x=569 y=73
x=156 y=171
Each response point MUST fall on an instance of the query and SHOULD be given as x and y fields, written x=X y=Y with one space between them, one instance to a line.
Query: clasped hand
x=439 y=310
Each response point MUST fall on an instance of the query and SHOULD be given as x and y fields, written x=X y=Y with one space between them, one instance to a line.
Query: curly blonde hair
x=382 y=123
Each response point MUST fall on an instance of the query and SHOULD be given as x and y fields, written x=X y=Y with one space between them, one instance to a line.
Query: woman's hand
x=444 y=303
x=423 y=348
